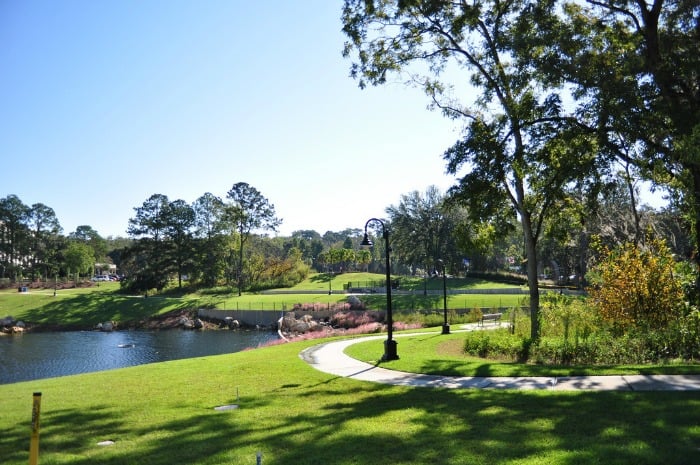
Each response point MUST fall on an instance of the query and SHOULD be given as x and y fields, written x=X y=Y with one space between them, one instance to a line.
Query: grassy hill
x=85 y=307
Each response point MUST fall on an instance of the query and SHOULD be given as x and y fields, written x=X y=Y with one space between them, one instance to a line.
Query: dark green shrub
x=498 y=344
x=678 y=341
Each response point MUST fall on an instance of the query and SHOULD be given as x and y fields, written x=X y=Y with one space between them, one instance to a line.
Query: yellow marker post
x=34 y=442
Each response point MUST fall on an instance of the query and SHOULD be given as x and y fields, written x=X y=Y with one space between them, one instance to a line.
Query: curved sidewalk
x=330 y=358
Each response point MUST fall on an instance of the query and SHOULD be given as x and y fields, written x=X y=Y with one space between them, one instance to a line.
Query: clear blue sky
x=104 y=103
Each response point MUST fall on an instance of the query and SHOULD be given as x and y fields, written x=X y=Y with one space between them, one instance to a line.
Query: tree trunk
x=531 y=254
x=696 y=223
x=239 y=278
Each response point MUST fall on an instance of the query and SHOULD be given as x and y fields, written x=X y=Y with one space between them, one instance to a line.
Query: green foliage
x=434 y=318
x=636 y=288
x=79 y=258
x=247 y=211
x=687 y=275
x=587 y=340
x=498 y=344
x=422 y=230
x=565 y=316
x=277 y=273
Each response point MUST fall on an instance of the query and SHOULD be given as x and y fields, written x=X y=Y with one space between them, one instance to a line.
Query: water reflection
x=46 y=355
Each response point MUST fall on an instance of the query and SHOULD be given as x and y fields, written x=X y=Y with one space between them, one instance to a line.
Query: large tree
x=423 y=229
x=147 y=259
x=634 y=66
x=88 y=235
x=519 y=148
x=179 y=224
x=45 y=229
x=209 y=210
x=14 y=235
x=247 y=211
x=79 y=258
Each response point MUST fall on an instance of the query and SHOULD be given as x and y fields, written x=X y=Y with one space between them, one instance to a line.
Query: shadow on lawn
x=67 y=430
x=397 y=425
x=87 y=310
x=321 y=278
x=443 y=426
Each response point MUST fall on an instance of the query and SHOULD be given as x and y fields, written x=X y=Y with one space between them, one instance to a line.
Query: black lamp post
x=389 y=344
x=445 y=325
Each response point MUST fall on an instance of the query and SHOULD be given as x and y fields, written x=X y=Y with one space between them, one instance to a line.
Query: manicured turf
x=433 y=353
x=86 y=307
x=164 y=414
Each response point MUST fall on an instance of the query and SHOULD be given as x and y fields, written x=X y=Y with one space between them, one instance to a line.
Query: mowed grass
x=85 y=307
x=319 y=281
x=163 y=414
x=427 y=351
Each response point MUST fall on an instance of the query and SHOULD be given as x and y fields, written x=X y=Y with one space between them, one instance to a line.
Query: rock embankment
x=291 y=326
x=9 y=325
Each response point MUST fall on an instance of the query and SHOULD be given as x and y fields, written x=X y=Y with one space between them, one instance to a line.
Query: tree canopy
x=521 y=147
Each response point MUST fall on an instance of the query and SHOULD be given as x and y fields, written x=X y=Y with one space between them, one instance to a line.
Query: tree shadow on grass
x=321 y=278
x=60 y=430
x=86 y=310
x=294 y=414
x=423 y=425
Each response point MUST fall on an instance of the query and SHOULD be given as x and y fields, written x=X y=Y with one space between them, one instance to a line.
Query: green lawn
x=433 y=353
x=86 y=307
x=319 y=281
x=164 y=414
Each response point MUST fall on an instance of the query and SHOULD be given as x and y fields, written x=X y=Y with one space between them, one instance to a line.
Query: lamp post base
x=390 y=351
x=445 y=329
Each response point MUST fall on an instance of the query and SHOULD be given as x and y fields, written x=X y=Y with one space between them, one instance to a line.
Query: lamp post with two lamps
x=445 y=325
x=390 y=352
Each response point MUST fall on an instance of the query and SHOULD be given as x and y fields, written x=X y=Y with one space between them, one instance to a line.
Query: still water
x=46 y=355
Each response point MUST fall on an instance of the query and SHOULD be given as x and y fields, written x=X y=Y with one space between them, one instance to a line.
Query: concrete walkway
x=330 y=358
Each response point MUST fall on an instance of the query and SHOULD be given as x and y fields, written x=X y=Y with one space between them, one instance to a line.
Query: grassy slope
x=164 y=414
x=87 y=307
x=84 y=307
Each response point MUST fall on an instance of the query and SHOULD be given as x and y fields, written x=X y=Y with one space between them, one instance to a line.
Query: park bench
x=495 y=317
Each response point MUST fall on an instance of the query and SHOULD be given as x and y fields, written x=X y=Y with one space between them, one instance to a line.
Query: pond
x=45 y=355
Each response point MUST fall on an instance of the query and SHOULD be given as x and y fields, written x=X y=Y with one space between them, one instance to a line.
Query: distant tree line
x=226 y=242
x=32 y=245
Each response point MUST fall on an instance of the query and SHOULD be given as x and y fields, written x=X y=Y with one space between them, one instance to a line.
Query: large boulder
x=290 y=324
x=355 y=303
x=230 y=323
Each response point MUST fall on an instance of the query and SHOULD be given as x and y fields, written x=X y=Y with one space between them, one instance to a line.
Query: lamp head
x=366 y=242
